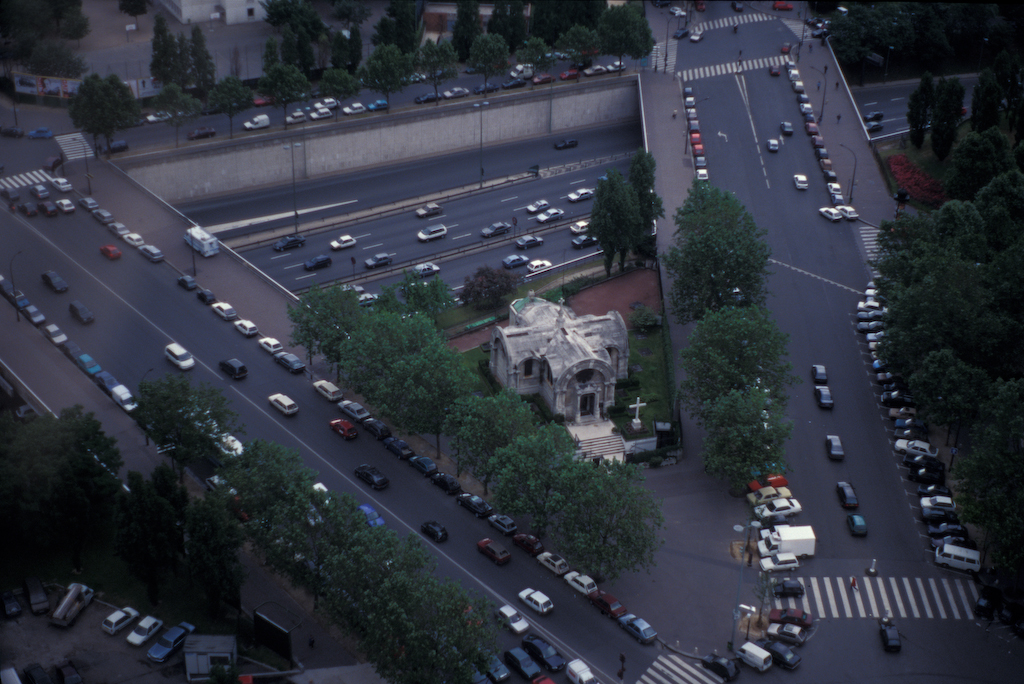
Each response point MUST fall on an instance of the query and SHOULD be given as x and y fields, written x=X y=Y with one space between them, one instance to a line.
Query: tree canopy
x=103 y=106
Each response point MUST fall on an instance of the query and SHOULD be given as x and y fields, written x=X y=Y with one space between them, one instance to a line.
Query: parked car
x=170 y=642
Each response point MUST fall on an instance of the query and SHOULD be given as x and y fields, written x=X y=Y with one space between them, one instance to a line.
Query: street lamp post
x=752 y=525
x=885 y=76
x=853 y=179
x=295 y=201
x=824 y=91
x=10 y=269
x=480 y=106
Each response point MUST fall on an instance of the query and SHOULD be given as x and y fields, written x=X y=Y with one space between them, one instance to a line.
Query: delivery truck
x=797 y=540
x=202 y=242
x=77 y=597
x=259 y=121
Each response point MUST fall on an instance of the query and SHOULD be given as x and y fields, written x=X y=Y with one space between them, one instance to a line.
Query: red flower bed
x=922 y=187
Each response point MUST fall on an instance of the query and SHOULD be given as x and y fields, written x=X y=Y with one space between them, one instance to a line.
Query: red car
x=698 y=150
x=570 y=74
x=110 y=251
x=772 y=481
x=699 y=5
x=695 y=139
x=780 y=6
x=543 y=78
x=344 y=428
x=529 y=544
x=493 y=550
x=607 y=604
x=811 y=128
x=774 y=70
x=785 y=48
x=791 y=616
x=261 y=101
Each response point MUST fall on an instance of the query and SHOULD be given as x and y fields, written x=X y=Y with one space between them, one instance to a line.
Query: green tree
x=1008 y=75
x=75 y=25
x=949 y=101
x=581 y=43
x=183 y=66
x=975 y=161
x=551 y=20
x=321 y=321
x=615 y=220
x=624 y=537
x=355 y=49
x=164 y=62
x=479 y=426
x=271 y=54
x=285 y=84
x=398 y=27
x=339 y=84
x=203 y=76
x=919 y=108
x=507 y=21
x=182 y=107
x=306 y=57
x=187 y=421
x=624 y=31
x=537 y=53
x=146 y=534
x=488 y=55
x=467 y=27
x=54 y=58
x=429 y=297
x=986 y=102
x=351 y=12
x=949 y=390
x=528 y=480
x=102 y=107
x=289 y=47
x=231 y=97
x=386 y=70
x=641 y=179
x=746 y=435
x=735 y=349
x=437 y=62
x=488 y=287
x=339 y=50
x=213 y=543
x=133 y=8
x=719 y=256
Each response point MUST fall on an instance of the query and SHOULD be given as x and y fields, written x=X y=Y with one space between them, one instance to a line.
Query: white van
x=179 y=356
x=259 y=121
x=755 y=656
x=328 y=390
x=959 y=558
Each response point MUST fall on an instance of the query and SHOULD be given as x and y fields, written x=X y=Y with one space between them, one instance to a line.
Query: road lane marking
x=910 y=598
x=924 y=597
x=896 y=597
x=952 y=599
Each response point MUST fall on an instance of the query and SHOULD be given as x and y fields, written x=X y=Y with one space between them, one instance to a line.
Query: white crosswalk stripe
x=898 y=597
x=728 y=68
x=674 y=669
x=25 y=179
x=74 y=146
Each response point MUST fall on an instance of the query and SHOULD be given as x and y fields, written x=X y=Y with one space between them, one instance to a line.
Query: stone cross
x=637 y=425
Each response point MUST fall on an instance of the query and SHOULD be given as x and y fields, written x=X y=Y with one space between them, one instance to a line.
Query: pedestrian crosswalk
x=673 y=668
x=739 y=66
x=869 y=238
x=74 y=146
x=25 y=179
x=875 y=597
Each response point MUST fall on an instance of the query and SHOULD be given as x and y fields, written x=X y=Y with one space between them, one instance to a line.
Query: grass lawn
x=653 y=378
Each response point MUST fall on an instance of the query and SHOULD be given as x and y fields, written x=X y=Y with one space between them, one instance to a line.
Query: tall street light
x=480 y=106
x=295 y=201
x=10 y=269
x=752 y=525
x=853 y=179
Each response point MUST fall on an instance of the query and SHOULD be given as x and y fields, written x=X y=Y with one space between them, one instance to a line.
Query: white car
x=549 y=215
x=697 y=36
x=702 y=175
x=247 y=328
x=773 y=145
x=805 y=108
x=848 y=212
x=581 y=194
x=158 y=117
x=579 y=228
x=790 y=634
x=834 y=189
x=354 y=108
x=367 y=299
x=54 y=334
x=800 y=181
x=319 y=113
x=118 y=229
x=143 y=631
x=581 y=583
x=786 y=507
x=538 y=265
x=283 y=404
x=677 y=12
x=455 y=93
x=539 y=205
x=509 y=617
x=179 y=356
x=426 y=270
x=595 y=70
x=943 y=503
x=119 y=619
x=536 y=601
x=553 y=562
x=916 y=447
x=831 y=214
x=229 y=445
x=61 y=184
x=270 y=345
x=298 y=116
x=435 y=232
x=225 y=311
x=343 y=242
x=327 y=103
x=766 y=494
x=134 y=239
x=782 y=561
x=66 y=206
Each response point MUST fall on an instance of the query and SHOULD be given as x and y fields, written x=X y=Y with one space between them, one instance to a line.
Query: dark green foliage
x=146 y=534
x=976 y=160
x=919 y=110
x=467 y=27
x=55 y=58
x=507 y=20
x=946 y=117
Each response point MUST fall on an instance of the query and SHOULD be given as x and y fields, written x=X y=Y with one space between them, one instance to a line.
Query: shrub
x=922 y=187
x=643 y=319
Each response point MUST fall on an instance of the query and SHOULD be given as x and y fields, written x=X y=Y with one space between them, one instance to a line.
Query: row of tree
x=183 y=61
x=35 y=32
x=736 y=374
x=954 y=332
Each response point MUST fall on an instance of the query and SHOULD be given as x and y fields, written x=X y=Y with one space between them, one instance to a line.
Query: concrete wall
x=265 y=158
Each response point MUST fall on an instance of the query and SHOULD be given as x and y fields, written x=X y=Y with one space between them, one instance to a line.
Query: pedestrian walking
x=837 y=85
x=312 y=641
x=819 y=85
x=810 y=47
x=853 y=584
x=838 y=117
x=674 y=112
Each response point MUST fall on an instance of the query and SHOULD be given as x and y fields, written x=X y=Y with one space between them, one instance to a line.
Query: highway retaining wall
x=319 y=149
